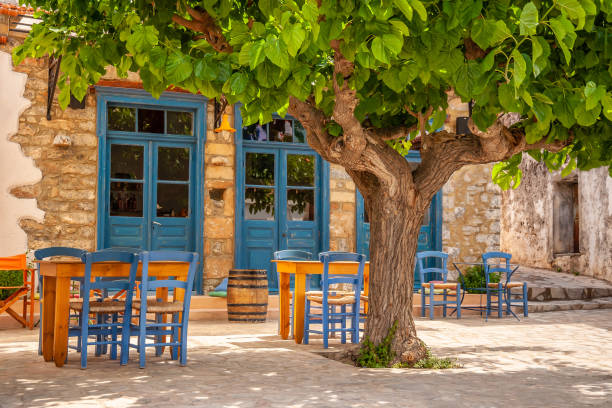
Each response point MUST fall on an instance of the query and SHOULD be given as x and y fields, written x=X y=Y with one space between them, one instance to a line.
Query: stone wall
x=16 y=169
x=527 y=224
x=341 y=210
x=219 y=201
x=67 y=191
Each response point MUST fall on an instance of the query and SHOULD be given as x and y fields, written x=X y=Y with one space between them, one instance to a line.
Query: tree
x=361 y=75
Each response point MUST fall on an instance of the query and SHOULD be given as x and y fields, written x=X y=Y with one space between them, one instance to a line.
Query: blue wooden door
x=149 y=179
x=279 y=200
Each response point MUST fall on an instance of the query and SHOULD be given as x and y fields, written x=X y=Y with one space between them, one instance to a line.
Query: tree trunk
x=395 y=223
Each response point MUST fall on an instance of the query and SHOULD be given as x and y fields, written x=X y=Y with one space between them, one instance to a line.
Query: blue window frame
x=151 y=170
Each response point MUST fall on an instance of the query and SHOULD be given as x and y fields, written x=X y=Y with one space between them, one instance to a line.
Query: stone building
x=559 y=223
x=129 y=170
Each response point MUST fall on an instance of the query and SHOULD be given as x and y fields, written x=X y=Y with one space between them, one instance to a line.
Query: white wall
x=15 y=168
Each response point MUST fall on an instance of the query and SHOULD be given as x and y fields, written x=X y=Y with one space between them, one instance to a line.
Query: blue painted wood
x=438 y=272
x=257 y=240
x=327 y=315
x=144 y=232
x=144 y=330
x=499 y=263
x=103 y=328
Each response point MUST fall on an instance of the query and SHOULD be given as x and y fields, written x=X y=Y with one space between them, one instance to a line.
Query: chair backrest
x=113 y=283
x=174 y=256
x=292 y=255
x=41 y=254
x=13 y=263
x=433 y=273
x=500 y=264
x=330 y=279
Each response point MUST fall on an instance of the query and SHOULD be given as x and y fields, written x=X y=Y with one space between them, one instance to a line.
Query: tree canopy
x=549 y=61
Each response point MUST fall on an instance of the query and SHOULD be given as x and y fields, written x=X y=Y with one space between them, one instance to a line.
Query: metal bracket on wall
x=54 y=65
x=220 y=106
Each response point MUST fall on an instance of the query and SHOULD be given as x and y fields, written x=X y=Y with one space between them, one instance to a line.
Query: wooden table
x=56 y=296
x=300 y=269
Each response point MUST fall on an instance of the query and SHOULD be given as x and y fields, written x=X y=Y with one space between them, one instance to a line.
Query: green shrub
x=474 y=277
x=377 y=356
x=10 y=278
x=432 y=362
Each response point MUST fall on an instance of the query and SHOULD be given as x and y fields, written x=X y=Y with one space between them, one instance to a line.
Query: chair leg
x=525 y=300
x=183 y=359
x=355 y=334
x=458 y=291
x=125 y=339
x=431 y=302
x=488 y=311
x=84 y=337
x=500 y=295
x=159 y=337
x=99 y=347
x=175 y=336
x=40 y=315
x=343 y=325
x=444 y=305
x=113 y=347
x=142 y=331
x=422 y=301
x=306 y=322
x=325 y=321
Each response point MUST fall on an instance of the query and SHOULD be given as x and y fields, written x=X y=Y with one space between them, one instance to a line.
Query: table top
x=74 y=268
x=317 y=262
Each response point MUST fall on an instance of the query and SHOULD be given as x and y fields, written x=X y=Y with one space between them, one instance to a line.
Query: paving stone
x=560 y=359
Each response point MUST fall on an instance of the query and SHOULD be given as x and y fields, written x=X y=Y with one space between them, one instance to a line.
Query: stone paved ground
x=560 y=359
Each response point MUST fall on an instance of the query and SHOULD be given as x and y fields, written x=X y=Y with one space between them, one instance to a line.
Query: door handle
x=156 y=223
x=284 y=235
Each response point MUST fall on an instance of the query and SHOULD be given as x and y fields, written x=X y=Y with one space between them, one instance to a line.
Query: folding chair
x=24 y=291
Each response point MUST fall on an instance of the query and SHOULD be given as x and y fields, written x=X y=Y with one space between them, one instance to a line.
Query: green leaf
x=520 y=68
x=529 y=19
x=293 y=38
x=419 y=8
x=178 y=67
x=487 y=62
x=507 y=99
x=238 y=82
x=564 y=108
x=542 y=98
x=393 y=43
x=593 y=94
x=276 y=51
x=563 y=28
x=527 y=98
x=400 y=26
x=379 y=51
x=487 y=33
x=142 y=39
x=586 y=117
x=571 y=166
x=205 y=69
x=310 y=11
x=607 y=105
x=243 y=57
x=391 y=79
x=157 y=59
x=540 y=53
x=64 y=96
x=542 y=111
x=404 y=7
x=257 y=54
x=573 y=9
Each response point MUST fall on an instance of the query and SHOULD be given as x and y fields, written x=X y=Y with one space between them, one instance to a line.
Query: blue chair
x=105 y=327
x=42 y=254
x=498 y=263
x=292 y=255
x=157 y=328
x=436 y=278
x=328 y=317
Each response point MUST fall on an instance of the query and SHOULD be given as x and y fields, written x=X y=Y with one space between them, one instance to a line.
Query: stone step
x=544 y=294
x=558 y=305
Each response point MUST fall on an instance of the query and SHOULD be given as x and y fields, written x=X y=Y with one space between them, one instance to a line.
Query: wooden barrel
x=247 y=295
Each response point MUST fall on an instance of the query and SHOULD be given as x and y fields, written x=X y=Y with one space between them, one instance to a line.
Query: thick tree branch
x=392 y=133
x=202 y=22
x=422 y=118
x=314 y=122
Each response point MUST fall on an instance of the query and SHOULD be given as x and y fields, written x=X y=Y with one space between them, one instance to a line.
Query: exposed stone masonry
x=341 y=210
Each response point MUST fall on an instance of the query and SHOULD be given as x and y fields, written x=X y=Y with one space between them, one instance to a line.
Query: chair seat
x=333 y=300
x=105 y=306
x=447 y=285
x=154 y=306
x=507 y=285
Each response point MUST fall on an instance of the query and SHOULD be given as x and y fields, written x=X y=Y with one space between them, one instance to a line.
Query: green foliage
x=10 y=278
x=377 y=356
x=474 y=277
x=550 y=61
x=432 y=362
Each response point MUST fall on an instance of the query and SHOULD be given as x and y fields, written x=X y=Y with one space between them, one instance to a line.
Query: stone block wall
x=219 y=201
x=341 y=210
x=67 y=191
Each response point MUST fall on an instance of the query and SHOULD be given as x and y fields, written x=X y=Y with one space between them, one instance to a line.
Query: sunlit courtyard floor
x=560 y=359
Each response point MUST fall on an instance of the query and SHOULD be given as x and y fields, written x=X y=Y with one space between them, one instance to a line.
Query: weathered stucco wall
x=341 y=210
x=67 y=191
x=15 y=168
x=527 y=227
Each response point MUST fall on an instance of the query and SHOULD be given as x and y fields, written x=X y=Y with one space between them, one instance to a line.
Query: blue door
x=280 y=195
x=149 y=197
x=430 y=235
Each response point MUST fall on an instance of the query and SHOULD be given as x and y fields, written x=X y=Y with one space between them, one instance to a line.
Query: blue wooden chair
x=105 y=329
x=328 y=316
x=292 y=255
x=499 y=292
x=42 y=254
x=179 y=310
x=435 y=278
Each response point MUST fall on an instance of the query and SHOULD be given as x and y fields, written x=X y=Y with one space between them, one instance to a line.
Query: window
x=279 y=130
